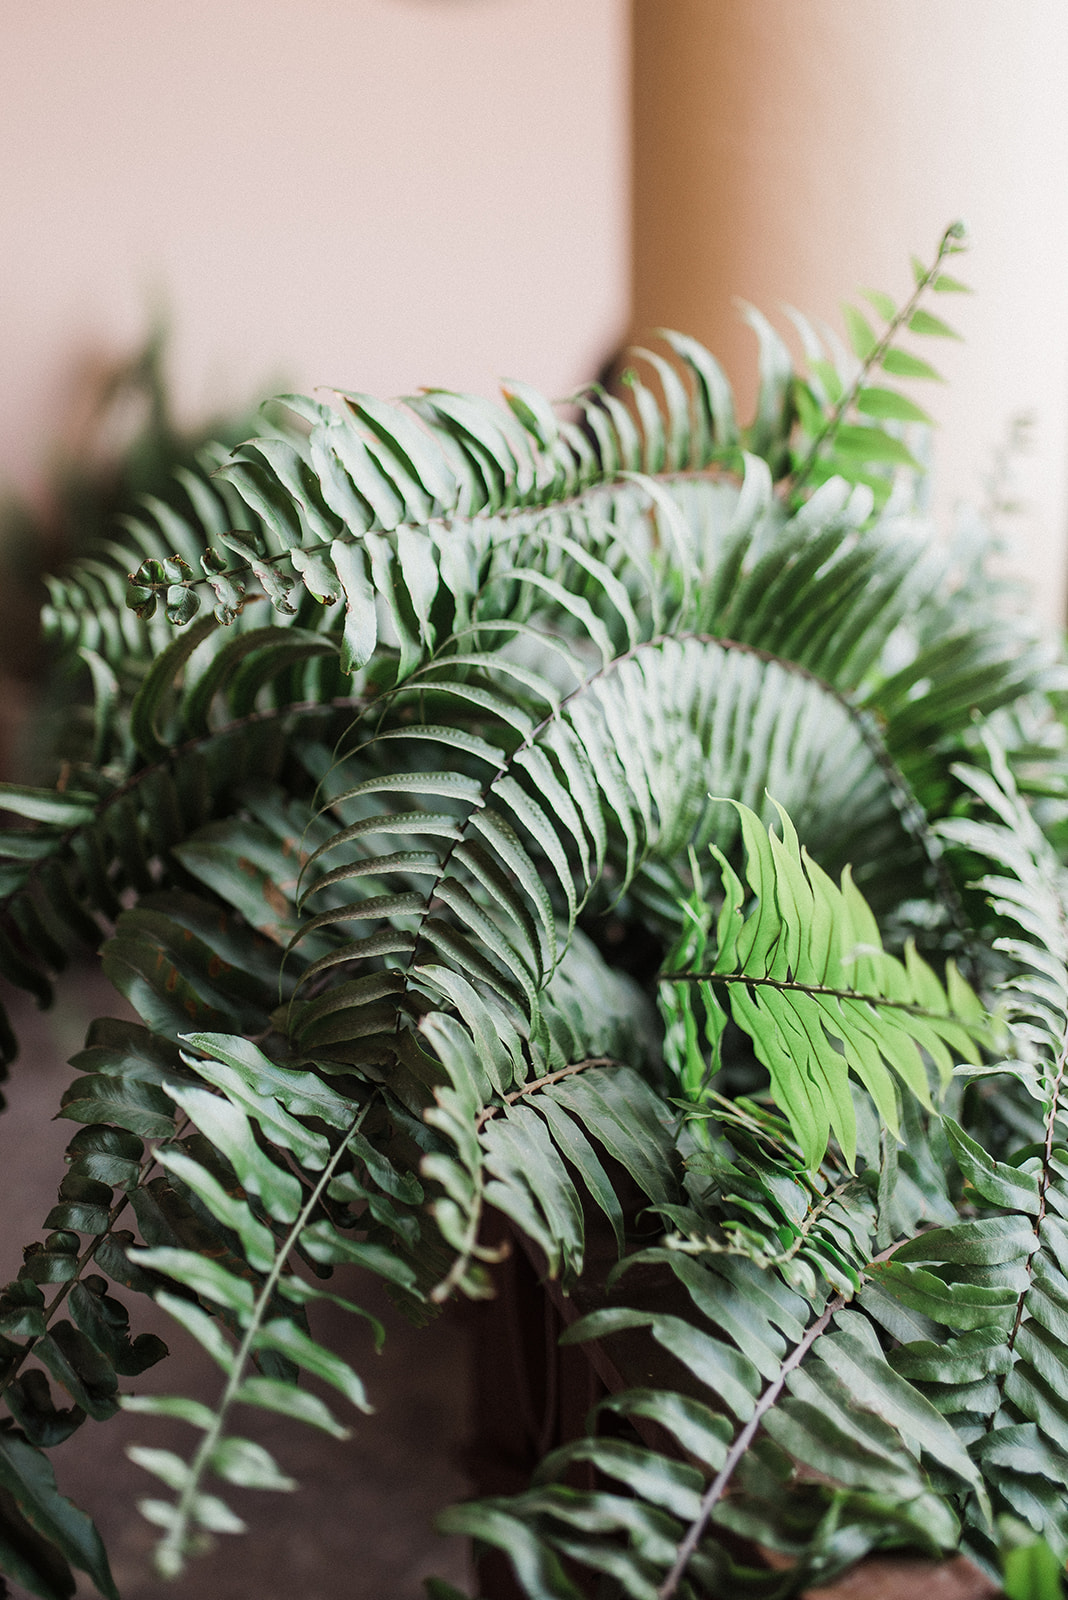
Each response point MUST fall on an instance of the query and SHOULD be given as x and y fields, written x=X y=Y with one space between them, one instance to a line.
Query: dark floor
x=359 y=1525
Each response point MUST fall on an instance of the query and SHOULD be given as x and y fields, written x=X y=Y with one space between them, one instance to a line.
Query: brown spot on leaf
x=275 y=899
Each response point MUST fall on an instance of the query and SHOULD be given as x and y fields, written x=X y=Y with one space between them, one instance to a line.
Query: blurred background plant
x=127 y=453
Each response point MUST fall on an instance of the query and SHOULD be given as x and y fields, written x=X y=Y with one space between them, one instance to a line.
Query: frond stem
x=716 y=1488
x=171 y=1547
x=606 y=484
x=912 y=817
x=764 y=982
x=542 y=1083
x=874 y=358
x=442 y=1290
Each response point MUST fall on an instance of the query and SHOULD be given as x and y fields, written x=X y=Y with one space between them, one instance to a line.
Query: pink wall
x=370 y=193
x=385 y=193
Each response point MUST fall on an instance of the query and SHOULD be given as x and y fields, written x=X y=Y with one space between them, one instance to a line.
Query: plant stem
x=758 y=982
x=947 y=245
x=718 y=1485
x=170 y=1553
x=542 y=1083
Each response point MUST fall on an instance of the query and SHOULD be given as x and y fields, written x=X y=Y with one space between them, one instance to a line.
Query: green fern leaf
x=809 y=981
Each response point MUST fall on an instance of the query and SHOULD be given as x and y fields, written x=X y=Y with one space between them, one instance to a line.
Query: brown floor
x=359 y=1525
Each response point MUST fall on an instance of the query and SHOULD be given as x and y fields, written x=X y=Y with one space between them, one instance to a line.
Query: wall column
x=795 y=150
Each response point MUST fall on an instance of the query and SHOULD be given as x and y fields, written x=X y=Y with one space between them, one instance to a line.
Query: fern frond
x=834 y=440
x=792 y=1428
x=63 y=876
x=301 y=513
x=808 y=981
x=250 y=1089
x=1010 y=1413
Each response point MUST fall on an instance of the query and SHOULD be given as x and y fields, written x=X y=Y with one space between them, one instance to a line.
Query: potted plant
x=615 y=822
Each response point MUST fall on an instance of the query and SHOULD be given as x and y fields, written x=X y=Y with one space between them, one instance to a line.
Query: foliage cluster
x=407 y=706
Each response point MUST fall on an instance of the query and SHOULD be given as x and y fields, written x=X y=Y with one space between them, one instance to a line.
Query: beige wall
x=383 y=193
x=791 y=150
x=370 y=193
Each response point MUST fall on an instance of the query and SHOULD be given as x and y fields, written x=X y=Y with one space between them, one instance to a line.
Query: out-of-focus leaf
x=861 y=336
x=27 y=1476
x=926 y=322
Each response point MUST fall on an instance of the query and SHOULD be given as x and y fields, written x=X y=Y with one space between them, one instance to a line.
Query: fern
x=841 y=412
x=770 y=1253
x=850 y=1414
x=254 y=1092
x=1016 y=1433
x=809 y=981
x=393 y=725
